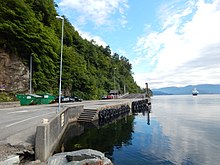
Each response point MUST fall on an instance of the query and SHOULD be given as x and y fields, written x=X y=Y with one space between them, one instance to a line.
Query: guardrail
x=9 y=104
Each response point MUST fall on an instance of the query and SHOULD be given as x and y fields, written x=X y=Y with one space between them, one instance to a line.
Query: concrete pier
x=48 y=134
x=40 y=127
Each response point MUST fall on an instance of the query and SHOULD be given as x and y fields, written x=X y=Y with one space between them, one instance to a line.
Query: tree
x=30 y=26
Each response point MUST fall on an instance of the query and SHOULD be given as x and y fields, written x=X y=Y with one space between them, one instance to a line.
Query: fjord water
x=180 y=129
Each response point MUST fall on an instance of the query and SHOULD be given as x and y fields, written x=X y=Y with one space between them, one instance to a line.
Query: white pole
x=61 y=60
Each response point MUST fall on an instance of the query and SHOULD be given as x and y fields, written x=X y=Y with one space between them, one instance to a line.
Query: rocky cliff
x=14 y=75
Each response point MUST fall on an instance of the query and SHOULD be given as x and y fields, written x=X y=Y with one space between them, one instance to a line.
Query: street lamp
x=114 y=78
x=61 y=58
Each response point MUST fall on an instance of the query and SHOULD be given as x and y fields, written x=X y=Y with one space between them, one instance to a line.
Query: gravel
x=7 y=150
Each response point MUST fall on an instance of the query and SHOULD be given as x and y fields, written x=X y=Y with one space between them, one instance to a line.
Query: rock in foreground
x=80 y=157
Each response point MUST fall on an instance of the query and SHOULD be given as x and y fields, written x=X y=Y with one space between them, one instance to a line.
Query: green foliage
x=30 y=27
x=7 y=97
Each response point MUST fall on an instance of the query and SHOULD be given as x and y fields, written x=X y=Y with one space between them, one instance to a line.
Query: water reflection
x=117 y=140
x=179 y=130
x=104 y=139
x=148 y=116
x=192 y=127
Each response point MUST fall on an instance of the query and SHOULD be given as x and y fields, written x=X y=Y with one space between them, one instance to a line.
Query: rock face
x=80 y=157
x=14 y=75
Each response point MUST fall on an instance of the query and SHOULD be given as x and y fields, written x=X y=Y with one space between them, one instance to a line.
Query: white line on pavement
x=19 y=111
x=27 y=119
x=24 y=111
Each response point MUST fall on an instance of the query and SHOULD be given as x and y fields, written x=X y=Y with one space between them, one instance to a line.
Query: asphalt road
x=16 y=123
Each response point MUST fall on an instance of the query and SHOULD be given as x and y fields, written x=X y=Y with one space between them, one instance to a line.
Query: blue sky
x=168 y=42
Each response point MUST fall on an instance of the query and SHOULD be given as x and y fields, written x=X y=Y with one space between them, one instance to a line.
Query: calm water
x=182 y=130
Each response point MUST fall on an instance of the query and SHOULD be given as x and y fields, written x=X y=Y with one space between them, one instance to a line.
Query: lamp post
x=61 y=58
x=30 y=76
x=114 y=78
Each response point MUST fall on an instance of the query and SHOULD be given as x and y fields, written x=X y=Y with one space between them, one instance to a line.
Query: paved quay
x=18 y=124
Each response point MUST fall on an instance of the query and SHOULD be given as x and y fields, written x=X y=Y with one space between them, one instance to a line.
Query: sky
x=168 y=42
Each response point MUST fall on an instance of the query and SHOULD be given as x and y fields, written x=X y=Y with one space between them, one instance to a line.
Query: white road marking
x=25 y=111
x=18 y=111
x=27 y=119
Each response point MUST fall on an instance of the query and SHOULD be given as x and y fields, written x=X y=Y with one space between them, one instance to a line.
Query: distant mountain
x=202 y=88
x=160 y=93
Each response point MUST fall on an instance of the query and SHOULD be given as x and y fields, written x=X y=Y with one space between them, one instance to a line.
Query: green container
x=26 y=99
x=37 y=98
x=46 y=99
x=32 y=99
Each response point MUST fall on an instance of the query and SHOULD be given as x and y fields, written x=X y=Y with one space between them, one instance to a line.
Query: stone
x=12 y=159
x=80 y=157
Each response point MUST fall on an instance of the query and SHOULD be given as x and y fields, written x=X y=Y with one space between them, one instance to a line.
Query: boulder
x=80 y=157
x=12 y=159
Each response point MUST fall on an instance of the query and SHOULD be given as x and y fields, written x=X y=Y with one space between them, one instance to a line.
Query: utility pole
x=114 y=78
x=30 y=73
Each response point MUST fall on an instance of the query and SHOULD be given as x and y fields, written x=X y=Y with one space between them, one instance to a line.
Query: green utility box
x=32 y=99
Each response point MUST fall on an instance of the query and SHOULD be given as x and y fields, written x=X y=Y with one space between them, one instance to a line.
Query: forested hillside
x=30 y=27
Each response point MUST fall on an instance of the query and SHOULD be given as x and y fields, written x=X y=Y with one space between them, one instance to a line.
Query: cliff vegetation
x=30 y=27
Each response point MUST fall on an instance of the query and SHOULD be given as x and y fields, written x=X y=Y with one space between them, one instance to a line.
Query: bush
x=7 y=97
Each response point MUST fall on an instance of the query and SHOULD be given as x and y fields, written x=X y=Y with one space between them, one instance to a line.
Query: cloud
x=122 y=52
x=186 y=49
x=98 y=40
x=97 y=11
